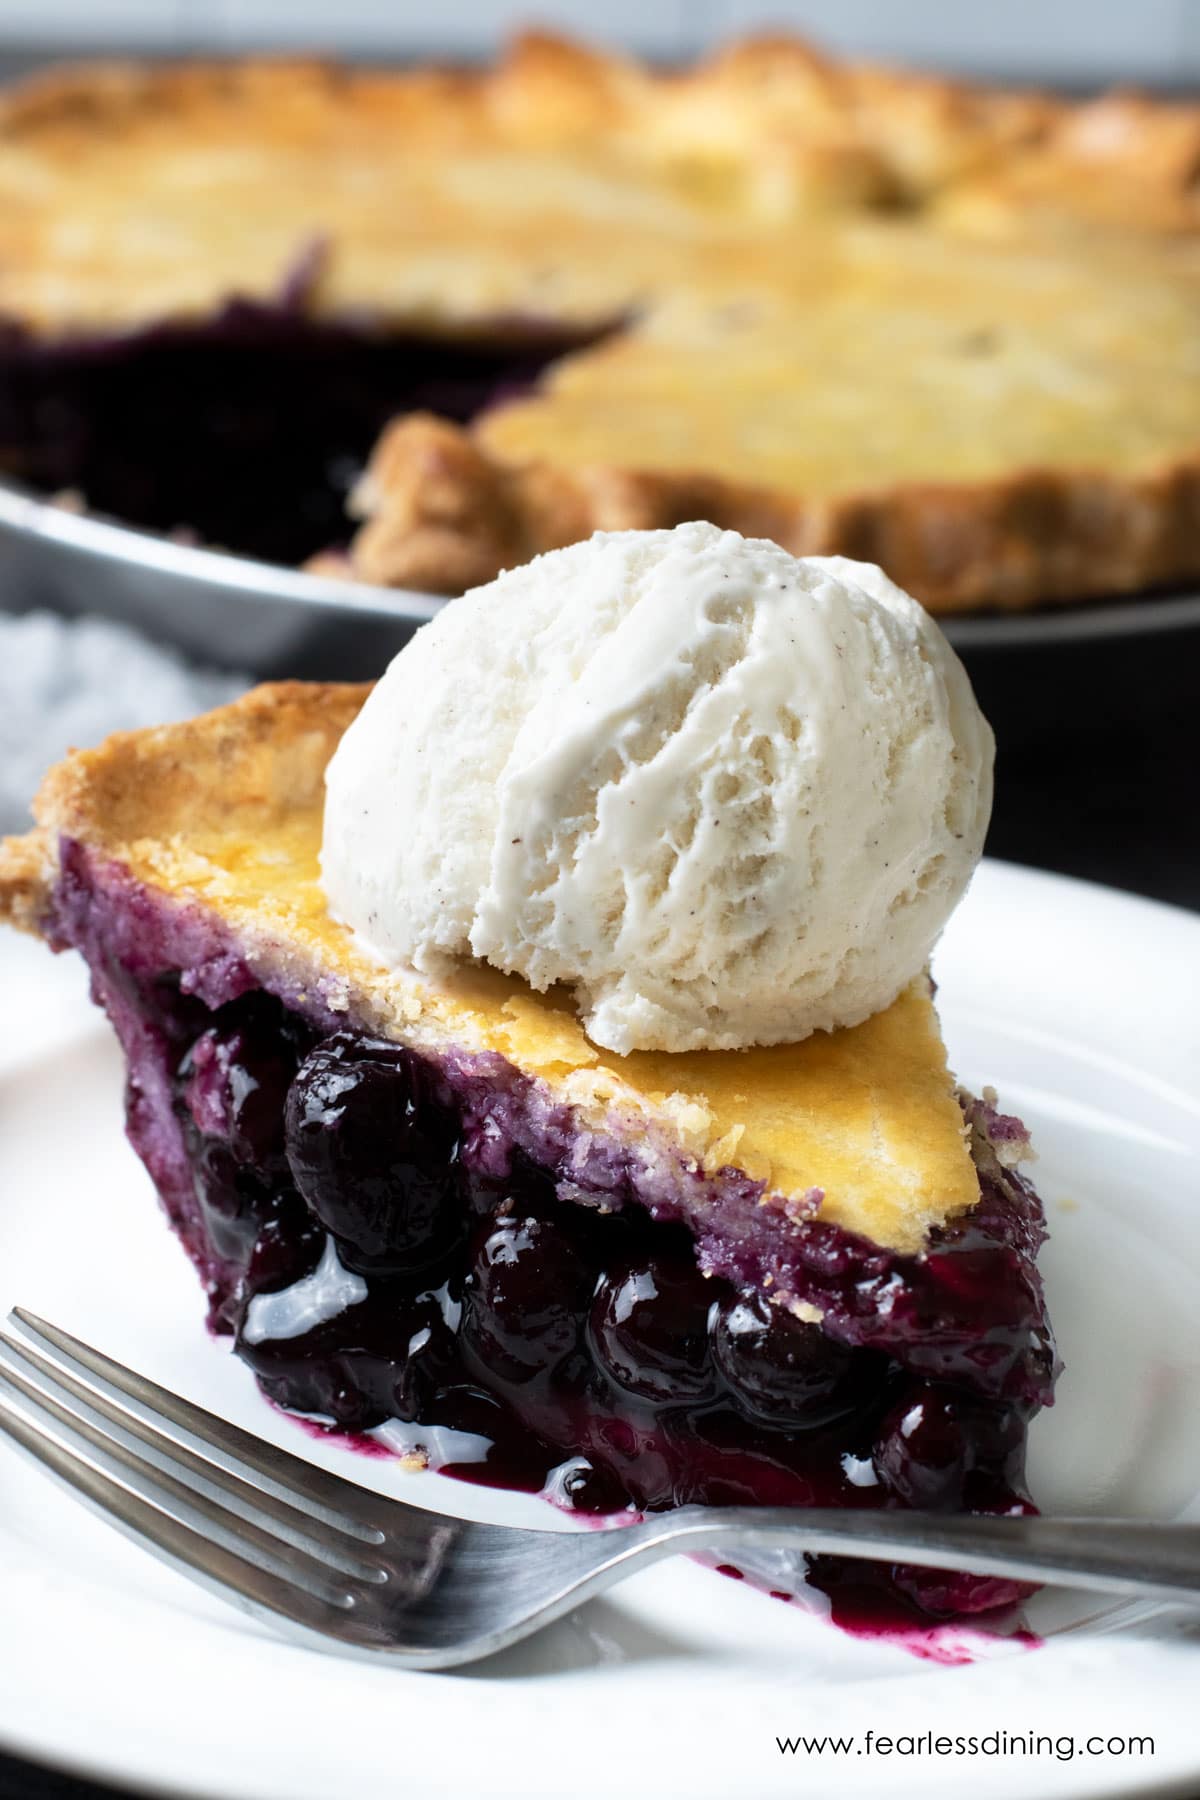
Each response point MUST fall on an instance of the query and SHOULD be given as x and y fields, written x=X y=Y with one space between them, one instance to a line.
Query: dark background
x=1098 y=760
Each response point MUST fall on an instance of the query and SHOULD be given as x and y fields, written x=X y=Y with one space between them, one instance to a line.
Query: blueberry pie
x=428 y=1202
x=949 y=329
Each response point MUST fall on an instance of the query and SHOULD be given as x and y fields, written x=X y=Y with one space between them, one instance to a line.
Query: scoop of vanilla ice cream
x=728 y=795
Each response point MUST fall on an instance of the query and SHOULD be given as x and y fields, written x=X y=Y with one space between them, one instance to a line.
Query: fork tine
x=153 y=1522
x=238 y=1496
x=331 y=1498
x=158 y=1486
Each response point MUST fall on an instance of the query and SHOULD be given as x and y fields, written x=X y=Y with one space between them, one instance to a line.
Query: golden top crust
x=225 y=812
x=132 y=193
x=1122 y=161
x=951 y=328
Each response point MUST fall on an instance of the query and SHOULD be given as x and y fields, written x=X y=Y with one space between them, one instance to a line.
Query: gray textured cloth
x=69 y=682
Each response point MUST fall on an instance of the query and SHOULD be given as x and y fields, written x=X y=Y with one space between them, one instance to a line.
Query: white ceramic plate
x=1080 y=1005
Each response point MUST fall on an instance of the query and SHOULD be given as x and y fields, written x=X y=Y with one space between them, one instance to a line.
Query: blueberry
x=924 y=1452
x=429 y=1356
x=649 y=1331
x=234 y=1200
x=526 y=1186
x=780 y=1368
x=323 y=1386
x=236 y=1077
x=942 y=1448
x=287 y=1248
x=373 y=1146
x=394 y=1349
x=527 y=1294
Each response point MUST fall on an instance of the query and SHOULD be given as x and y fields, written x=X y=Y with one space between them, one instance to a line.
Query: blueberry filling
x=247 y=431
x=388 y=1237
x=375 y=1156
x=552 y=1330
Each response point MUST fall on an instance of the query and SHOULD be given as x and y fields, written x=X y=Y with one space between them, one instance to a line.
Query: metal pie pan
x=274 y=621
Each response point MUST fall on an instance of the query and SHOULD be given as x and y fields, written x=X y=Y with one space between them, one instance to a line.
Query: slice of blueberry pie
x=592 y=1146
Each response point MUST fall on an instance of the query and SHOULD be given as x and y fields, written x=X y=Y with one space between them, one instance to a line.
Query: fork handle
x=1116 y=1556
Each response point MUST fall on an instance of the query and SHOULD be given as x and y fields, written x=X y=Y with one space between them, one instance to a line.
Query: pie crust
x=946 y=328
x=799 y=1276
x=859 y=1127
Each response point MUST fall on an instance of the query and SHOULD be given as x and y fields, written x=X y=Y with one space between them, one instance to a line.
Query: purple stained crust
x=590 y=1310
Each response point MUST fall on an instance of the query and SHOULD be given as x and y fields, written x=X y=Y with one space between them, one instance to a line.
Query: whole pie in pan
x=794 y=1275
x=949 y=329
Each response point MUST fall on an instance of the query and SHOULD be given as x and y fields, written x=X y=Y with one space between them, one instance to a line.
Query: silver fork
x=324 y=1559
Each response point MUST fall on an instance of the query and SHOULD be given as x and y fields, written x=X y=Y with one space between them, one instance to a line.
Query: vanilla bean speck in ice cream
x=726 y=795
